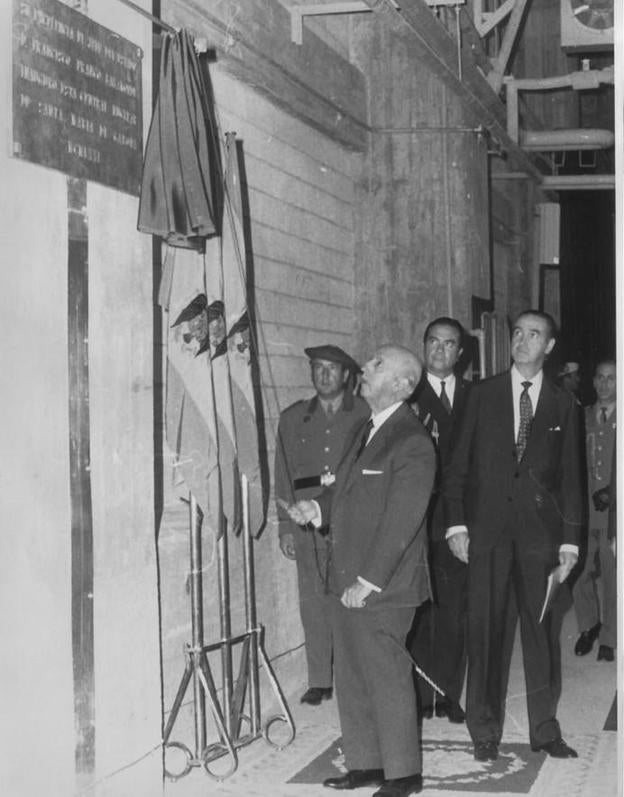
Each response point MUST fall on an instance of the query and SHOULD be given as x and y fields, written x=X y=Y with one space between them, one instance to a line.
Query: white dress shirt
x=449 y=385
x=516 y=388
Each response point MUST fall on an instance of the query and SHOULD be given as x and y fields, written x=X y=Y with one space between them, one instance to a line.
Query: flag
x=239 y=343
x=180 y=186
x=230 y=479
x=190 y=418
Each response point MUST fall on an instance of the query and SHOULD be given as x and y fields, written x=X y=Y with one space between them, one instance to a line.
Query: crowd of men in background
x=422 y=542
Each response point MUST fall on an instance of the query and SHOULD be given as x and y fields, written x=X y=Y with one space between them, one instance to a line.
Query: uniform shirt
x=599 y=442
x=309 y=444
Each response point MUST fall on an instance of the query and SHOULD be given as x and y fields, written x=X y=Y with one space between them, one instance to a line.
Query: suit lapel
x=460 y=396
x=506 y=419
x=375 y=445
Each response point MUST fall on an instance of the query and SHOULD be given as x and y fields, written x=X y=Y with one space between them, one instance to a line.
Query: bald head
x=389 y=376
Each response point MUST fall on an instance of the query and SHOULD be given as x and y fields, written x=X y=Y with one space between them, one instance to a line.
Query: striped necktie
x=526 y=419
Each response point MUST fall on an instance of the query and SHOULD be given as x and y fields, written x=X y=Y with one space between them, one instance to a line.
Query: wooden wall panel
x=301 y=197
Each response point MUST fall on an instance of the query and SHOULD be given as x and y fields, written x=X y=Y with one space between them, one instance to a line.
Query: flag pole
x=225 y=624
x=250 y=610
x=257 y=655
x=197 y=620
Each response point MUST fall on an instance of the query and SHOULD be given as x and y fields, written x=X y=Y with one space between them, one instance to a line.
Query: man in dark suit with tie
x=438 y=641
x=378 y=575
x=513 y=502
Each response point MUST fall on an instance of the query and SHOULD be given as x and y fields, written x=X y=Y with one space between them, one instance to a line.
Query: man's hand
x=458 y=543
x=601 y=499
x=301 y=513
x=567 y=560
x=354 y=597
x=287 y=544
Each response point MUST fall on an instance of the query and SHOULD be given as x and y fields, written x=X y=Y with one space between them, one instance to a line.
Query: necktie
x=330 y=411
x=526 y=418
x=603 y=415
x=444 y=399
x=364 y=440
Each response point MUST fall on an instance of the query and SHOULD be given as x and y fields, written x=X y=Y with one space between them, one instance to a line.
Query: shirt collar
x=435 y=382
x=608 y=407
x=382 y=417
x=517 y=379
x=335 y=404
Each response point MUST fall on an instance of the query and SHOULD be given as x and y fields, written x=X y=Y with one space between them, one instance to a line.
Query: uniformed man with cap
x=569 y=377
x=311 y=436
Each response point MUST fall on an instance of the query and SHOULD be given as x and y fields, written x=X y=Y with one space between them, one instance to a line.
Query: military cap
x=334 y=354
x=569 y=368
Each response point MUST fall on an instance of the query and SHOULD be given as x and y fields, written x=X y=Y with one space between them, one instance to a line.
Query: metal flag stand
x=229 y=715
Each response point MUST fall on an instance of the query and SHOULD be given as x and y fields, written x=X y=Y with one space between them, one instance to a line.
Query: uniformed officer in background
x=596 y=611
x=310 y=439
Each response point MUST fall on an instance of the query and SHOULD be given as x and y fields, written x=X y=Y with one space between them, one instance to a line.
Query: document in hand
x=552 y=586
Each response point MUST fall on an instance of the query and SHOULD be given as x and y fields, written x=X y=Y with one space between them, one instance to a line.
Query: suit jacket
x=485 y=488
x=376 y=512
x=442 y=427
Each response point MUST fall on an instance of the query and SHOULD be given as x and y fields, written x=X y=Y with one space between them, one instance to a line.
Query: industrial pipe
x=579 y=182
x=572 y=139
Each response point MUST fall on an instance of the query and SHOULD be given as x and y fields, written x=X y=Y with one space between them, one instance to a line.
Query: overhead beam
x=495 y=78
x=486 y=21
x=297 y=13
x=253 y=44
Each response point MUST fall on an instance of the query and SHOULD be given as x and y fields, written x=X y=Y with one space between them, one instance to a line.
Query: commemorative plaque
x=76 y=95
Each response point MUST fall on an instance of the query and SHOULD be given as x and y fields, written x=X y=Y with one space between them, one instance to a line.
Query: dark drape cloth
x=588 y=317
x=181 y=190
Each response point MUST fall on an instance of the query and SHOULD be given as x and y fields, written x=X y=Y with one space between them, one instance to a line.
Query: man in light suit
x=438 y=641
x=513 y=504
x=378 y=575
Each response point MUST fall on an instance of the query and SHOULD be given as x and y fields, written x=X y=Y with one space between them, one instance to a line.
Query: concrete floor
x=588 y=691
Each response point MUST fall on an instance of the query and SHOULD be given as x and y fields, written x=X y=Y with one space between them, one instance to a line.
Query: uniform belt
x=322 y=480
x=307 y=481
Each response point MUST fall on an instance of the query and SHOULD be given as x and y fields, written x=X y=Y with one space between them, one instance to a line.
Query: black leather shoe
x=356 y=778
x=605 y=653
x=400 y=787
x=315 y=694
x=557 y=749
x=426 y=712
x=586 y=640
x=450 y=709
x=485 y=751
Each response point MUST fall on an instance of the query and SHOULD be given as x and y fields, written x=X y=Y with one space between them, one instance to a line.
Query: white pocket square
x=366 y=472
x=554 y=428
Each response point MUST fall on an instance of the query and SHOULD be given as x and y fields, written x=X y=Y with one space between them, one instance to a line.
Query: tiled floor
x=588 y=692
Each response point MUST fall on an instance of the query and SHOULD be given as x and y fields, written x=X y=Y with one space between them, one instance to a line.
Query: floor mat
x=449 y=765
x=611 y=722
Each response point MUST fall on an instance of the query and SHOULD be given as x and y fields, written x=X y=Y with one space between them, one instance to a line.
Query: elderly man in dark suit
x=513 y=503
x=378 y=575
x=438 y=641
